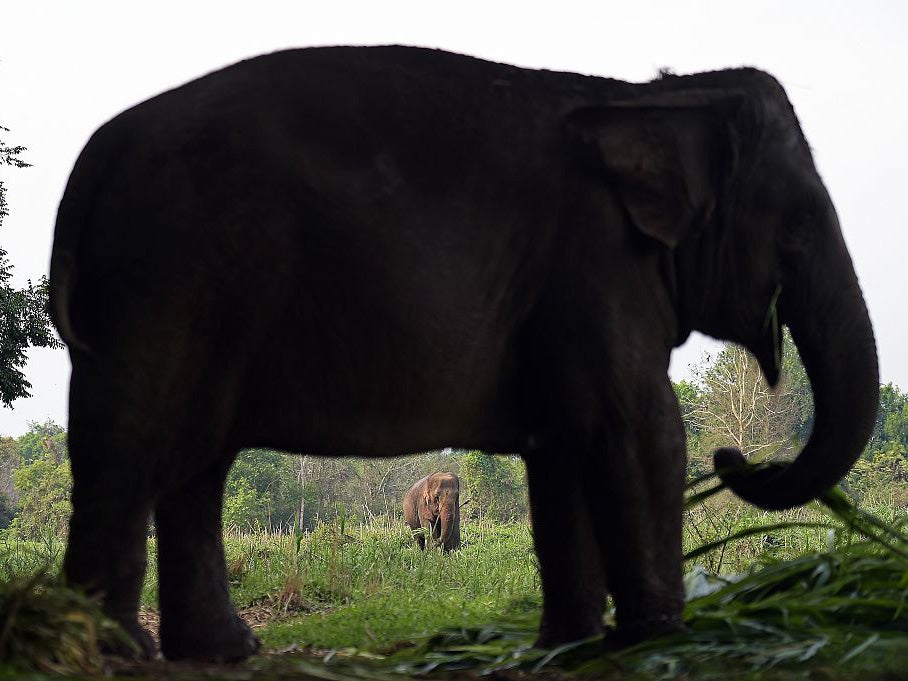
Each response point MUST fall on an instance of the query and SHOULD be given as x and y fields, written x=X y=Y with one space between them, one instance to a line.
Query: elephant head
x=441 y=502
x=721 y=174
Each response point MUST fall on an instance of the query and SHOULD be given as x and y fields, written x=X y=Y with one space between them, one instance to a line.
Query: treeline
x=727 y=402
x=266 y=489
x=270 y=490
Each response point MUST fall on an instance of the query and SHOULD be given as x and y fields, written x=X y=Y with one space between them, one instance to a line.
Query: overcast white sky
x=66 y=67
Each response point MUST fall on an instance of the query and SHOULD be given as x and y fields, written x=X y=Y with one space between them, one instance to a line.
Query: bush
x=44 y=507
x=496 y=486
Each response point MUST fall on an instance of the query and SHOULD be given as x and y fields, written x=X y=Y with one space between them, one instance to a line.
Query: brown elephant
x=433 y=504
x=380 y=251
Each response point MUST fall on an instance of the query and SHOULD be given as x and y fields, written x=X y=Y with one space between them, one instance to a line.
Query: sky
x=67 y=67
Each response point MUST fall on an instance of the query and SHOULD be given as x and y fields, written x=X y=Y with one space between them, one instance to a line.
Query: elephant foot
x=636 y=631
x=232 y=643
x=141 y=647
x=552 y=635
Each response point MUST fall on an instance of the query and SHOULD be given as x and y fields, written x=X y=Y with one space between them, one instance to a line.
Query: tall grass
x=367 y=586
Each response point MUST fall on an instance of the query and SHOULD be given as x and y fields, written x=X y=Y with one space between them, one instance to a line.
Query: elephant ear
x=664 y=155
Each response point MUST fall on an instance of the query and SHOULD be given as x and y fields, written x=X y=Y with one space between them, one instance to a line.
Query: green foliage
x=263 y=491
x=689 y=397
x=42 y=482
x=896 y=427
x=9 y=461
x=795 y=383
x=24 y=321
x=44 y=507
x=890 y=417
x=881 y=474
x=42 y=440
x=496 y=486
x=243 y=506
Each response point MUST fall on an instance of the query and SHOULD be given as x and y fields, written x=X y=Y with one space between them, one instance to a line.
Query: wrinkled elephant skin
x=378 y=251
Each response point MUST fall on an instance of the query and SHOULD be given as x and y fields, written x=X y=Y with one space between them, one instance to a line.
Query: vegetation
x=49 y=628
x=807 y=592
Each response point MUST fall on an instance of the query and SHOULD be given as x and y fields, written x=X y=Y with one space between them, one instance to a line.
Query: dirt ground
x=269 y=665
x=255 y=616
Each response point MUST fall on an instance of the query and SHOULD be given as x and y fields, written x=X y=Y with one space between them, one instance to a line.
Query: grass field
x=366 y=589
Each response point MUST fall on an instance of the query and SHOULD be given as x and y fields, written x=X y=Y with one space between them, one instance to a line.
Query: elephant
x=376 y=251
x=433 y=504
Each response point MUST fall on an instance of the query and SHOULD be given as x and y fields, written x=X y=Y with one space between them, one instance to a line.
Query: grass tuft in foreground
x=46 y=627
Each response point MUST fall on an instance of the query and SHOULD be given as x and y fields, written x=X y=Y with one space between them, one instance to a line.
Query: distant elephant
x=433 y=504
x=385 y=250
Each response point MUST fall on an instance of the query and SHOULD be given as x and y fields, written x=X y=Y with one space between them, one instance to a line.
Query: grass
x=821 y=589
x=370 y=586
x=48 y=628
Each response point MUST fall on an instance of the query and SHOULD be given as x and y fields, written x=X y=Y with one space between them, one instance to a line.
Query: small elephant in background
x=433 y=503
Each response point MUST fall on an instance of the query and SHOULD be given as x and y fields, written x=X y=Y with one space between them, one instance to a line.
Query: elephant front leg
x=198 y=619
x=635 y=487
x=420 y=537
x=573 y=582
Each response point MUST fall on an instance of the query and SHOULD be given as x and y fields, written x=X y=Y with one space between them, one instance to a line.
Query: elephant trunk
x=829 y=323
x=447 y=519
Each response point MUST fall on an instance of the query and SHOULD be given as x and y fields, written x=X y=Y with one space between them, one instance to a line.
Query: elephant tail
x=73 y=218
x=63 y=276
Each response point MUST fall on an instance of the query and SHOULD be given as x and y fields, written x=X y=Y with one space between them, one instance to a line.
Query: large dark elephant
x=432 y=507
x=378 y=251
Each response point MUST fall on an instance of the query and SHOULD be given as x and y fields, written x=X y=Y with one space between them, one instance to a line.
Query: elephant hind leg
x=198 y=619
x=106 y=548
x=112 y=496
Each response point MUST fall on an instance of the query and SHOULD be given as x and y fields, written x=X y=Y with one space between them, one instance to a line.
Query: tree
x=496 y=486
x=262 y=491
x=881 y=476
x=689 y=399
x=796 y=383
x=24 y=320
x=268 y=489
x=896 y=426
x=891 y=420
x=43 y=482
x=734 y=405
x=42 y=439
x=738 y=407
x=9 y=461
